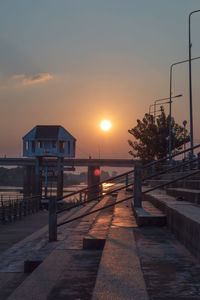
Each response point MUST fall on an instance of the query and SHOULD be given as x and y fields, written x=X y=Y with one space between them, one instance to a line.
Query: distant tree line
x=15 y=177
x=11 y=177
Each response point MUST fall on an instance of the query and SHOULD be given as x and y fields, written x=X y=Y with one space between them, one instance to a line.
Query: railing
x=132 y=179
x=94 y=193
x=193 y=168
x=15 y=208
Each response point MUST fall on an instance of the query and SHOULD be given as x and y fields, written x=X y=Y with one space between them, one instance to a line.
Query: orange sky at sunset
x=74 y=63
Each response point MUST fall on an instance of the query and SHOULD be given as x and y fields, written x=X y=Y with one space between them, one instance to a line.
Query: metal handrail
x=131 y=184
x=170 y=182
x=95 y=198
x=96 y=185
x=170 y=169
x=168 y=157
x=109 y=192
x=93 y=211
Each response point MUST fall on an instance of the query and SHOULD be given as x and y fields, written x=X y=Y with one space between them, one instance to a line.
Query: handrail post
x=52 y=220
x=127 y=180
x=198 y=155
x=137 y=188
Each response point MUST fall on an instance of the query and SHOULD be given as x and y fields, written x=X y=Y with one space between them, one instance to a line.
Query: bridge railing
x=15 y=208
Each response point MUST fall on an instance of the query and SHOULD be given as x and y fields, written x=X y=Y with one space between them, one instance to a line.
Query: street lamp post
x=170 y=115
x=184 y=125
x=170 y=97
x=170 y=119
x=190 y=82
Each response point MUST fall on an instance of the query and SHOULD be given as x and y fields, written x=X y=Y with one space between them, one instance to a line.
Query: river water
x=11 y=192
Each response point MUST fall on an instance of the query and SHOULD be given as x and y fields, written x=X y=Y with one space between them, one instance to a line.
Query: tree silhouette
x=151 y=137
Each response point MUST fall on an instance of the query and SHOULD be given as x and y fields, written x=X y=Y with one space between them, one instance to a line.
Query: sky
x=76 y=62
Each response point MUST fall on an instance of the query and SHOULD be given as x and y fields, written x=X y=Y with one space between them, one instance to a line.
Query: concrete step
x=66 y=261
x=183 y=219
x=190 y=195
x=170 y=271
x=174 y=175
x=149 y=215
x=65 y=274
x=190 y=184
x=96 y=237
x=119 y=275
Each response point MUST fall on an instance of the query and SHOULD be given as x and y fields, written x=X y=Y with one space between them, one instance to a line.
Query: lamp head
x=177 y=96
x=184 y=123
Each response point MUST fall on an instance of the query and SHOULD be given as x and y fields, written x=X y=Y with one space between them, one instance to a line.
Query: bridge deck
x=76 y=162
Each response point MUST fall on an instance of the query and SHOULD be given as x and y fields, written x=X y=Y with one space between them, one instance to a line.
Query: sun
x=105 y=125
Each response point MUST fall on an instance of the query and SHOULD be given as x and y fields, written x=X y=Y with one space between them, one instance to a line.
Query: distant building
x=49 y=140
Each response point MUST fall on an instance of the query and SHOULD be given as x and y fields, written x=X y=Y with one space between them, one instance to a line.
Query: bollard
x=52 y=220
x=137 y=190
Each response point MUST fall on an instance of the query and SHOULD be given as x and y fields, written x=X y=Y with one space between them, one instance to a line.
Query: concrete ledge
x=31 y=265
x=192 y=196
x=93 y=243
x=119 y=275
x=183 y=219
x=145 y=219
x=39 y=284
x=95 y=239
x=148 y=215
x=187 y=183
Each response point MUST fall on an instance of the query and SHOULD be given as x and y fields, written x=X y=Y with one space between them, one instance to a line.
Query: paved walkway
x=119 y=275
x=163 y=269
x=58 y=257
x=11 y=233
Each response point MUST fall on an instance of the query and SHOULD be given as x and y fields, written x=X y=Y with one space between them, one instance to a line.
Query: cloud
x=21 y=80
x=24 y=79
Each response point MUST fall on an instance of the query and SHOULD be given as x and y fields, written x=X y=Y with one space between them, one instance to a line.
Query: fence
x=12 y=209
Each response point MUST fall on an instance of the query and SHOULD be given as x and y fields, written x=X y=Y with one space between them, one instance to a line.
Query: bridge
x=36 y=170
x=75 y=162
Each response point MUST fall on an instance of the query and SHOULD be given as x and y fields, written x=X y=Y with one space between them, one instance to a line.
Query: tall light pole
x=170 y=98
x=190 y=82
x=170 y=120
x=184 y=125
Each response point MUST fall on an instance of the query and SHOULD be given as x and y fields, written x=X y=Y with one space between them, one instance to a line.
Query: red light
x=97 y=172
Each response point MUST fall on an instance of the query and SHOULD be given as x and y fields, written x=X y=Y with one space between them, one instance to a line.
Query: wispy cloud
x=26 y=79
x=20 y=80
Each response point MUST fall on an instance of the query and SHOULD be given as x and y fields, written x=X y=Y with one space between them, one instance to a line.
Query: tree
x=151 y=137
